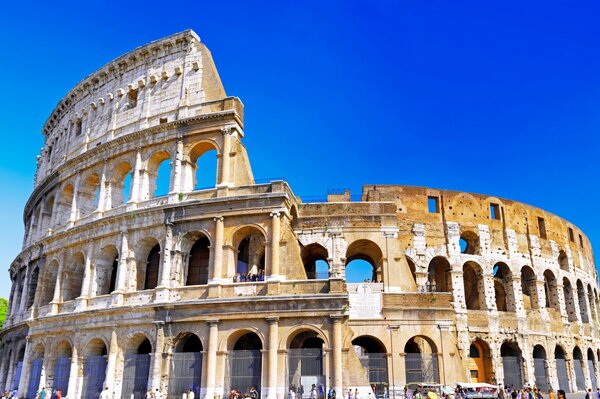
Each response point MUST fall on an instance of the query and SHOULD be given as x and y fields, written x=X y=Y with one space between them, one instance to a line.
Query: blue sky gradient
x=495 y=97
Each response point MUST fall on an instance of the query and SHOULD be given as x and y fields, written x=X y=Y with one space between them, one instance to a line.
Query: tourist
x=331 y=394
x=537 y=393
x=313 y=392
x=148 y=394
x=386 y=394
x=261 y=277
x=561 y=394
x=597 y=393
x=253 y=393
x=42 y=394
x=350 y=394
x=105 y=394
x=291 y=394
x=588 y=394
x=552 y=395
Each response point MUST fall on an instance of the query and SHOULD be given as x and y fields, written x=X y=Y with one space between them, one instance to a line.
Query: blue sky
x=499 y=97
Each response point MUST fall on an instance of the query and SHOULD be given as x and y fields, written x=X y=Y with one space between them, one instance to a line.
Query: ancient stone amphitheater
x=125 y=285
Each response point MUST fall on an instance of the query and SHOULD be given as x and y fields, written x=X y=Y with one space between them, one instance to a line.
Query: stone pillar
x=25 y=293
x=74 y=213
x=271 y=391
x=489 y=293
x=102 y=194
x=54 y=210
x=136 y=179
x=26 y=370
x=177 y=172
x=211 y=361
x=121 y=280
x=560 y=289
x=87 y=277
x=337 y=352
x=217 y=267
x=518 y=296
x=56 y=299
x=11 y=368
x=275 y=238
x=164 y=282
x=157 y=357
x=111 y=365
x=227 y=133
x=40 y=232
x=73 y=374
x=541 y=294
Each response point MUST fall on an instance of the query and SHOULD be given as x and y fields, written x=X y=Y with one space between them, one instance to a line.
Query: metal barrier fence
x=62 y=370
x=305 y=368
x=422 y=367
x=185 y=372
x=135 y=376
x=579 y=378
x=245 y=369
x=563 y=377
x=541 y=374
x=94 y=373
x=512 y=371
x=34 y=378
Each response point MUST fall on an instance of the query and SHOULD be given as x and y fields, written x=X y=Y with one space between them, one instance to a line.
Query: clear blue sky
x=499 y=97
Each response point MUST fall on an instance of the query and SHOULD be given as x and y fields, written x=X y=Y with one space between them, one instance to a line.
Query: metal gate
x=94 y=373
x=62 y=370
x=422 y=367
x=245 y=370
x=376 y=366
x=17 y=378
x=34 y=378
x=563 y=377
x=579 y=378
x=135 y=376
x=592 y=369
x=540 y=374
x=305 y=368
x=512 y=372
x=185 y=373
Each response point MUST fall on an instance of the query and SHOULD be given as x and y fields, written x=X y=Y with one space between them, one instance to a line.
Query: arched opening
x=469 y=243
x=540 y=369
x=474 y=288
x=511 y=362
x=578 y=367
x=106 y=268
x=551 y=290
x=94 y=369
x=305 y=363
x=413 y=269
x=33 y=283
x=373 y=358
x=35 y=372
x=89 y=195
x=72 y=277
x=62 y=368
x=159 y=174
x=592 y=302
x=64 y=206
x=120 y=186
x=561 y=369
x=203 y=157
x=583 y=308
x=245 y=363
x=480 y=362
x=502 y=288
x=186 y=367
x=49 y=283
x=198 y=262
x=529 y=288
x=591 y=361
x=250 y=262
x=46 y=216
x=364 y=262
x=563 y=260
x=569 y=300
x=314 y=259
x=19 y=367
x=18 y=291
x=421 y=360
x=438 y=275
x=136 y=370
x=152 y=266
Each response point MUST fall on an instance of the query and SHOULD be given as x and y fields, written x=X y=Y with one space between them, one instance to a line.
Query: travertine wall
x=464 y=287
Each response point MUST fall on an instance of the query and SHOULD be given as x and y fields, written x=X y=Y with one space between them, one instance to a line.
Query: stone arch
x=245 y=358
x=136 y=369
x=563 y=260
x=89 y=194
x=33 y=284
x=412 y=267
x=120 y=185
x=505 y=301
x=249 y=242
x=438 y=275
x=149 y=257
x=512 y=363
x=197 y=154
x=469 y=243
x=313 y=331
x=421 y=360
x=529 y=288
x=474 y=286
x=158 y=163
x=551 y=289
x=480 y=361
x=48 y=285
x=578 y=366
x=315 y=261
x=592 y=366
x=46 y=216
x=561 y=368
x=229 y=342
x=368 y=251
x=64 y=205
x=62 y=366
x=373 y=357
x=540 y=369
x=592 y=303
x=138 y=343
x=198 y=262
x=186 y=365
x=305 y=358
x=96 y=347
x=72 y=277
x=569 y=300
x=106 y=267
x=583 y=307
x=186 y=342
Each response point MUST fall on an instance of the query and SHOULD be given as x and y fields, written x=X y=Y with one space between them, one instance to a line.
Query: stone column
x=73 y=374
x=217 y=267
x=518 y=296
x=54 y=210
x=164 y=282
x=156 y=357
x=275 y=238
x=56 y=299
x=111 y=365
x=74 y=211
x=227 y=133
x=177 y=171
x=211 y=361
x=11 y=368
x=560 y=289
x=87 y=276
x=489 y=295
x=25 y=293
x=271 y=391
x=136 y=179
x=121 y=280
x=337 y=352
x=40 y=231
x=102 y=194
x=25 y=370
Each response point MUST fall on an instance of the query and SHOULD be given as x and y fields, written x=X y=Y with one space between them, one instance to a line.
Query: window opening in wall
x=580 y=240
x=469 y=243
x=495 y=211
x=163 y=178
x=163 y=120
x=433 y=204
x=542 y=227
x=126 y=188
x=206 y=170
x=132 y=97
x=78 y=124
x=571 y=235
x=359 y=271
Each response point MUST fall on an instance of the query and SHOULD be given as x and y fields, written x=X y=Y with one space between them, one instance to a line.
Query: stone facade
x=118 y=287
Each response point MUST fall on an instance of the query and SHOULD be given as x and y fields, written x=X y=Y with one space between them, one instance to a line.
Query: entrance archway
x=373 y=357
x=578 y=367
x=62 y=368
x=94 y=369
x=540 y=371
x=136 y=371
x=305 y=363
x=186 y=367
x=421 y=360
x=35 y=374
x=245 y=363
x=561 y=369
x=511 y=362
x=592 y=366
x=480 y=366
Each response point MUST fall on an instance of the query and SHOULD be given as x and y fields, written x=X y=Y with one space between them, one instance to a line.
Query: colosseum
x=126 y=284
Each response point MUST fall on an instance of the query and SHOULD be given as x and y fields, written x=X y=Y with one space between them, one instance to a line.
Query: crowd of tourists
x=249 y=277
x=252 y=393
